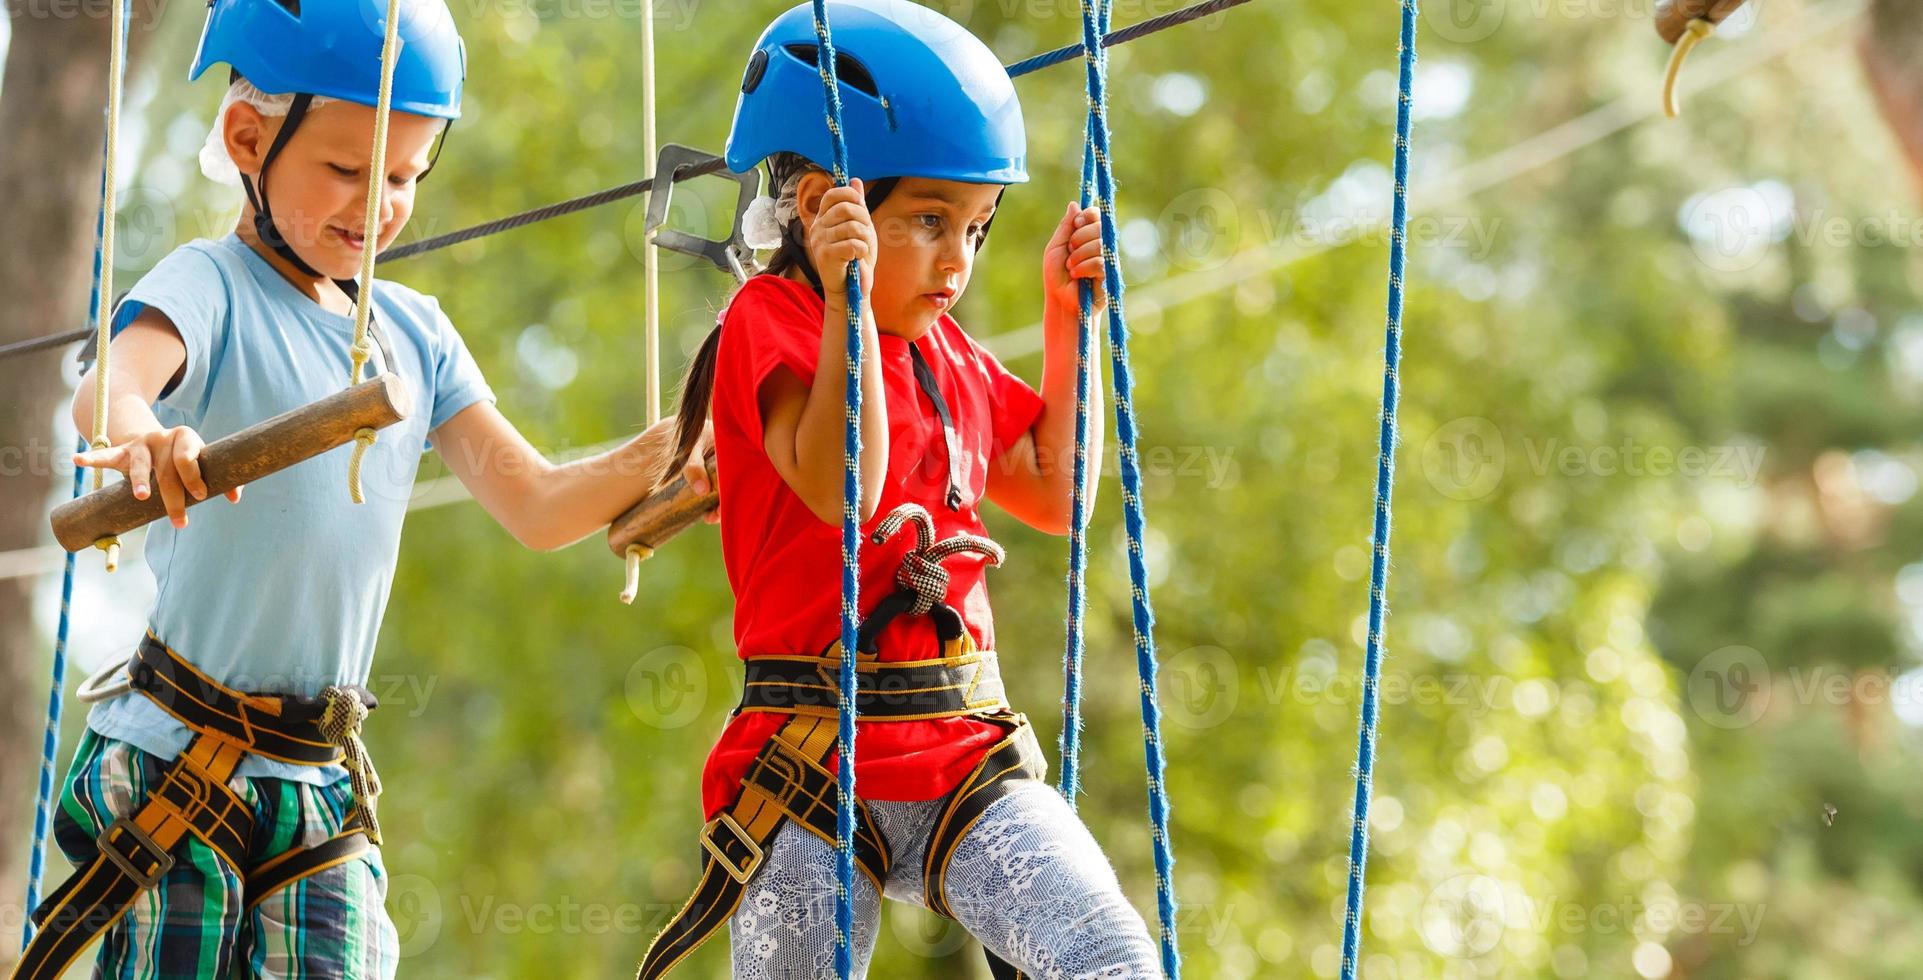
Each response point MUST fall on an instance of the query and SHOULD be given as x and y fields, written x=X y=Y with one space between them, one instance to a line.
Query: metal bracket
x=107 y=683
x=732 y=254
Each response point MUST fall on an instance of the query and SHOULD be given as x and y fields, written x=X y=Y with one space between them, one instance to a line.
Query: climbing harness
x=194 y=797
x=790 y=779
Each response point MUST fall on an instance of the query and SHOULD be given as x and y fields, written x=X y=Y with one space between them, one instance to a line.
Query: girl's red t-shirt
x=784 y=563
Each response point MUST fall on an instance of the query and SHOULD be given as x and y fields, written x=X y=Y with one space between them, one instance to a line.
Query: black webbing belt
x=790 y=779
x=946 y=688
x=192 y=797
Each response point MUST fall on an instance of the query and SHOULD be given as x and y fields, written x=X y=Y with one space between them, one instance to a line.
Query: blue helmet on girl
x=332 y=48
x=920 y=97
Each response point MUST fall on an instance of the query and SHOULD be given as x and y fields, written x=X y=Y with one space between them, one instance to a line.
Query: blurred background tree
x=1648 y=702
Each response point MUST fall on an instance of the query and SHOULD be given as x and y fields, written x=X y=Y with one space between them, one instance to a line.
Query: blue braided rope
x=50 y=741
x=850 y=540
x=1384 y=485
x=1093 y=21
x=1076 y=641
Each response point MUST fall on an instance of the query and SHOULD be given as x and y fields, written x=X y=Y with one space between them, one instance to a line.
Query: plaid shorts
x=196 y=923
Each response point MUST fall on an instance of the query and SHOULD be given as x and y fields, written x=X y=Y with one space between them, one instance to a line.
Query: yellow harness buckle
x=739 y=873
x=159 y=860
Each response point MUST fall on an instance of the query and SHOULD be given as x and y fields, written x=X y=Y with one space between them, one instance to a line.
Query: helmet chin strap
x=264 y=226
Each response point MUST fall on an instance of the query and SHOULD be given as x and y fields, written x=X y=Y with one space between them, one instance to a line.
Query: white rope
x=650 y=258
x=651 y=279
x=370 y=238
x=103 y=296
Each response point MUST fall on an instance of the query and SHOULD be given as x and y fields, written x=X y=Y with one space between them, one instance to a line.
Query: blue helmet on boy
x=333 y=48
x=920 y=96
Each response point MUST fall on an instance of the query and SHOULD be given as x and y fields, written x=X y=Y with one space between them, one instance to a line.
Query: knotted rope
x=921 y=571
x=340 y=724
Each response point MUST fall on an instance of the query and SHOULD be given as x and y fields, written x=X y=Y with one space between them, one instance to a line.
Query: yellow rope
x=363 y=438
x=370 y=238
x=103 y=319
x=1693 y=35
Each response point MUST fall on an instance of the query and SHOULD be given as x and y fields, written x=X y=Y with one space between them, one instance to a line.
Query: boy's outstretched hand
x=170 y=457
x=1074 y=253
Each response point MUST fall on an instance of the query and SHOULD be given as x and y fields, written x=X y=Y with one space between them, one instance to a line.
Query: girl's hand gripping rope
x=843 y=233
x=1074 y=253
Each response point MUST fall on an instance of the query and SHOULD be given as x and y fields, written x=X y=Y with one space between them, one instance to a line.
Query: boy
x=222 y=809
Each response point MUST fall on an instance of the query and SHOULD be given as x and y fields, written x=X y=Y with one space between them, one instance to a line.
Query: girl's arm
x=804 y=424
x=1034 y=479
x=547 y=505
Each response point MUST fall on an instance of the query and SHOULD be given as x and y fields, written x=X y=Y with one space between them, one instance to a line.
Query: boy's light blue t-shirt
x=284 y=591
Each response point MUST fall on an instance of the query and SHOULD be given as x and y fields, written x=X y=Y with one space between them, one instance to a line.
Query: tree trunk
x=1892 y=51
x=51 y=119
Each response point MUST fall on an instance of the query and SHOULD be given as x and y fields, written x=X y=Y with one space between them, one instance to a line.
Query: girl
x=216 y=827
x=955 y=814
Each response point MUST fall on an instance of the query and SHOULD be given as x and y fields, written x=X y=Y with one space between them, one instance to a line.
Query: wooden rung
x=663 y=514
x=258 y=451
x=1673 y=16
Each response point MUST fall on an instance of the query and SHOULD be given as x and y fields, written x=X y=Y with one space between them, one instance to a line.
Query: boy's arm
x=547 y=505
x=147 y=356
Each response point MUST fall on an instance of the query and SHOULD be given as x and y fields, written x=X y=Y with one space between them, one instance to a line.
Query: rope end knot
x=634 y=556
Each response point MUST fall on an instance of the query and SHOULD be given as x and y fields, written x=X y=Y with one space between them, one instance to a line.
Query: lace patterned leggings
x=1028 y=880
